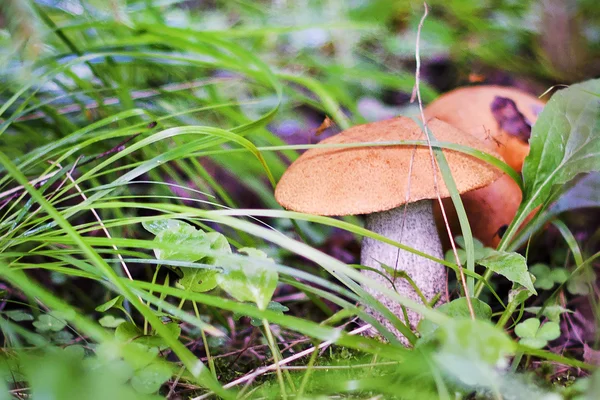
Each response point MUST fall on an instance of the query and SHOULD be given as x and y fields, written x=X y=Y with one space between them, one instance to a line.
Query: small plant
x=535 y=336
x=546 y=278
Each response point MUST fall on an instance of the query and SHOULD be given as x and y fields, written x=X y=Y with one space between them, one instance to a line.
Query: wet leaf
x=253 y=281
x=160 y=225
x=186 y=243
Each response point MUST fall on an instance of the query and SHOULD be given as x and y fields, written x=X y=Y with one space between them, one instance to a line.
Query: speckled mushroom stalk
x=412 y=225
x=374 y=181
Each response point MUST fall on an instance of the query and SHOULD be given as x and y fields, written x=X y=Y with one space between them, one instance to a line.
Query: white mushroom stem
x=419 y=231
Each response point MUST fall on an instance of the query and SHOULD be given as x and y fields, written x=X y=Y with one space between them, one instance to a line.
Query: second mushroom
x=393 y=186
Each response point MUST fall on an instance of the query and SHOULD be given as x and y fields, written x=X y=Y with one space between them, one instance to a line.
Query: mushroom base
x=420 y=232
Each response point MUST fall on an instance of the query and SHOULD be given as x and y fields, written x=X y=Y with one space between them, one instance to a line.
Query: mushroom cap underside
x=362 y=180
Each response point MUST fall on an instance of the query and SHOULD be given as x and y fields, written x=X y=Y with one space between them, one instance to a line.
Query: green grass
x=199 y=91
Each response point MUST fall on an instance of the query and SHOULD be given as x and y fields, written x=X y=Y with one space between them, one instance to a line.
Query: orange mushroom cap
x=364 y=180
x=468 y=109
x=494 y=206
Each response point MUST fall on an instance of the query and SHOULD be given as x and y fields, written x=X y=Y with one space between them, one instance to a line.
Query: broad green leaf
x=64 y=375
x=19 y=315
x=476 y=340
x=565 y=142
x=457 y=308
x=75 y=351
x=202 y=279
x=197 y=279
x=108 y=321
x=150 y=378
x=127 y=332
x=518 y=294
x=158 y=341
x=186 y=243
x=560 y=275
x=512 y=266
x=534 y=342
x=251 y=281
x=117 y=302
x=479 y=249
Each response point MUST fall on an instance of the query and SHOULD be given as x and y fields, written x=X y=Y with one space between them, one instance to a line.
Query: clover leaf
x=581 y=282
x=52 y=322
x=546 y=278
x=108 y=321
x=535 y=336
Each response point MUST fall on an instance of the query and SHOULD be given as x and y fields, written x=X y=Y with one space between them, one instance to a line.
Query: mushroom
x=374 y=180
x=469 y=109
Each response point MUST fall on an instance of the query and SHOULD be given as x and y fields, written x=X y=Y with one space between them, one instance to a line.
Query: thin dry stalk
x=41 y=180
x=433 y=163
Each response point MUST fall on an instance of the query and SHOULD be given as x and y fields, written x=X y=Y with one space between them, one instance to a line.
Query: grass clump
x=143 y=255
